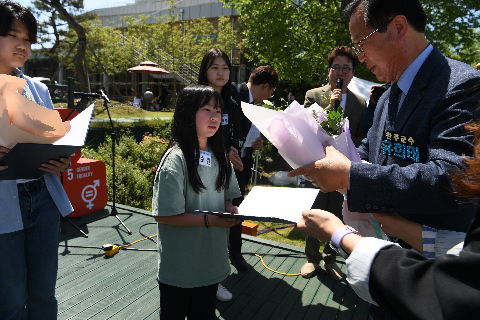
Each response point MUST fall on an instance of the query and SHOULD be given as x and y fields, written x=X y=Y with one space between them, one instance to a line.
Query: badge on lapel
x=401 y=146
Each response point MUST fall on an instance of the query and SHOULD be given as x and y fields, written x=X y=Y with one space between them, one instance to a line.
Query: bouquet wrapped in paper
x=24 y=121
x=298 y=135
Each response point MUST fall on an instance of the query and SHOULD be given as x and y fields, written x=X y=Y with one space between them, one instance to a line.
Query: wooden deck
x=91 y=285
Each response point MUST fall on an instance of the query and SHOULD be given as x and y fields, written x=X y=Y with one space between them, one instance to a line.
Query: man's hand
x=336 y=96
x=54 y=166
x=329 y=174
x=3 y=151
x=319 y=224
x=235 y=159
x=258 y=144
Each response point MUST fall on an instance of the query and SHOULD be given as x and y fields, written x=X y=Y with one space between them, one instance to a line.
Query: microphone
x=339 y=84
x=86 y=95
x=103 y=95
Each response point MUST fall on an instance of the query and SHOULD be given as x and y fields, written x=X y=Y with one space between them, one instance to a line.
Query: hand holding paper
x=319 y=224
x=274 y=204
x=56 y=166
x=329 y=174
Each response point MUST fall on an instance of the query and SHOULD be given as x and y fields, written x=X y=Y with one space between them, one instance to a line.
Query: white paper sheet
x=79 y=128
x=282 y=203
x=252 y=136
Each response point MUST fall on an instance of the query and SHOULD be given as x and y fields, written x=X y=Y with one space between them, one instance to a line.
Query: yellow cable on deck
x=116 y=248
x=285 y=274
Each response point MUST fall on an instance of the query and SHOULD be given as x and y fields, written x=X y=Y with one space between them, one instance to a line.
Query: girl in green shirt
x=194 y=174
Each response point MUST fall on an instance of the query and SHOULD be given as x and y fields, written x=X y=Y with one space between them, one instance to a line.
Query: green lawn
x=123 y=110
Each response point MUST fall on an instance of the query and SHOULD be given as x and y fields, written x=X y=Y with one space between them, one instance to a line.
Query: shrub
x=135 y=165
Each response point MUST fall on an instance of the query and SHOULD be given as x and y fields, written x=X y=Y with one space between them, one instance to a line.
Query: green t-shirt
x=190 y=257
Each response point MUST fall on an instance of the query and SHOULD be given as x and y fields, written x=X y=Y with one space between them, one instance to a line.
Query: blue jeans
x=29 y=257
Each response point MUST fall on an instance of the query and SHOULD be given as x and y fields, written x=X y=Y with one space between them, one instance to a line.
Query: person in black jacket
x=215 y=72
x=404 y=283
x=260 y=86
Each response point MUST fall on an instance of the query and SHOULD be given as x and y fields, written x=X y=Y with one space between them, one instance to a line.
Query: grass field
x=123 y=110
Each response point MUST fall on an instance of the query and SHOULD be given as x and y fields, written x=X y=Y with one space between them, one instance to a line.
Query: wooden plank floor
x=91 y=285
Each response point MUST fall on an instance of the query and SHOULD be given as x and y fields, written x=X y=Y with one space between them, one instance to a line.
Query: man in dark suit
x=260 y=86
x=418 y=136
x=342 y=62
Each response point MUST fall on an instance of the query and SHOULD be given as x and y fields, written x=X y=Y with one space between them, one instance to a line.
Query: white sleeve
x=359 y=263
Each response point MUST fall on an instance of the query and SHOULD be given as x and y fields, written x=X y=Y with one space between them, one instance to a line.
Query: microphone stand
x=113 y=135
x=78 y=94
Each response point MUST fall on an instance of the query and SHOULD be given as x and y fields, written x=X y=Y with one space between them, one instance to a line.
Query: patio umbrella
x=148 y=67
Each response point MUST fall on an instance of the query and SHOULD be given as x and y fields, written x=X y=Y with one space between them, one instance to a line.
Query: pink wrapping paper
x=24 y=121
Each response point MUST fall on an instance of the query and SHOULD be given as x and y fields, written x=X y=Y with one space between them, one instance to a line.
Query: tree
x=295 y=36
x=51 y=31
x=61 y=7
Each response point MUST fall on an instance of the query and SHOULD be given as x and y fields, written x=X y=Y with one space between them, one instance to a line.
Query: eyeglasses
x=358 y=48
x=344 y=69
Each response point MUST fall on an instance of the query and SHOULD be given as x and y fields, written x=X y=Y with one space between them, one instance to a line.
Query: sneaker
x=223 y=294
x=334 y=271
x=308 y=269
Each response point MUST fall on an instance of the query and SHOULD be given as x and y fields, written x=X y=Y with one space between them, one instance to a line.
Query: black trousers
x=235 y=237
x=194 y=303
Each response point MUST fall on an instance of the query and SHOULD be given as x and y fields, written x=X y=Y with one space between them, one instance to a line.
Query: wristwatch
x=340 y=233
x=336 y=241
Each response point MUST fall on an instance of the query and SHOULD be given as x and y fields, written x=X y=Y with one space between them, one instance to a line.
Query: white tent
x=361 y=87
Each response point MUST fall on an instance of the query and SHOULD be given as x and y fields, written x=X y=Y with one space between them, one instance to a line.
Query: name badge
x=205 y=158
x=225 y=119
x=400 y=146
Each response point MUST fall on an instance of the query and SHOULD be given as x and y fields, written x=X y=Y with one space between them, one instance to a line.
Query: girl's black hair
x=184 y=135
x=207 y=62
x=11 y=11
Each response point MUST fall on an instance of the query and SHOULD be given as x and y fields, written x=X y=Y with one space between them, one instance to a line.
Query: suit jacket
x=434 y=112
x=240 y=92
x=406 y=285
x=233 y=134
x=354 y=109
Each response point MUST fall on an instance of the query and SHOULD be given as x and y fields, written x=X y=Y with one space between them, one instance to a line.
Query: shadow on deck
x=91 y=285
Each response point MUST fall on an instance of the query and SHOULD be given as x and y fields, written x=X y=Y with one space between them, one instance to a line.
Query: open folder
x=273 y=204
x=24 y=159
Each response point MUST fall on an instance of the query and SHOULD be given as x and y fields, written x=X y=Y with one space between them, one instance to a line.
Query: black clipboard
x=244 y=217
x=24 y=159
